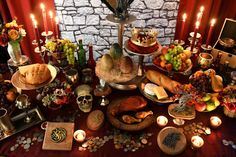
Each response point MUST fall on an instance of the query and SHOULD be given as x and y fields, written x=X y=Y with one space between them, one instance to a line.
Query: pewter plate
x=18 y=80
x=20 y=124
x=141 y=86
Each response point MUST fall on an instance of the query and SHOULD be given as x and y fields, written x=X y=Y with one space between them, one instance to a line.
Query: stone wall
x=86 y=19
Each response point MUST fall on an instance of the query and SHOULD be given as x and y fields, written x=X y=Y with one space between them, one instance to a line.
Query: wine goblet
x=22 y=102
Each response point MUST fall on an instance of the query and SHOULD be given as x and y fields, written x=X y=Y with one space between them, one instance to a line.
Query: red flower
x=3 y=39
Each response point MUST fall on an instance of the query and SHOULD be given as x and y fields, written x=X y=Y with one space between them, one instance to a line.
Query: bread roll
x=35 y=74
x=162 y=80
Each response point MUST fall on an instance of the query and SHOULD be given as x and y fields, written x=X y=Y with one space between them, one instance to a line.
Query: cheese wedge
x=160 y=92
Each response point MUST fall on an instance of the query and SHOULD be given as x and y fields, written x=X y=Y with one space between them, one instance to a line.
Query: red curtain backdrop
x=21 y=10
x=218 y=9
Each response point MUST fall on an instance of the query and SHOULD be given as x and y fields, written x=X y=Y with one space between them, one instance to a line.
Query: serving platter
x=115 y=121
x=19 y=81
x=141 y=86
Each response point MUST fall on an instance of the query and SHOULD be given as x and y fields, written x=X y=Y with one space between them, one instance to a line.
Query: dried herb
x=171 y=140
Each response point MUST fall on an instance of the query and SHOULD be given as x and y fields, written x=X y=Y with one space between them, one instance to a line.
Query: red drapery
x=218 y=9
x=21 y=9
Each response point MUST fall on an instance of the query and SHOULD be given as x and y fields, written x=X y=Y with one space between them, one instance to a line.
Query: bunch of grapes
x=175 y=58
x=69 y=49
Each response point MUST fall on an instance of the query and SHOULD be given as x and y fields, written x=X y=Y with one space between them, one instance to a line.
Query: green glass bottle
x=81 y=55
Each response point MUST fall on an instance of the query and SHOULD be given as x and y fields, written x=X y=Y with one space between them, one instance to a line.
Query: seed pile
x=171 y=140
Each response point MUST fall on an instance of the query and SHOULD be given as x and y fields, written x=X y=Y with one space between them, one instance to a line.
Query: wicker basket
x=231 y=114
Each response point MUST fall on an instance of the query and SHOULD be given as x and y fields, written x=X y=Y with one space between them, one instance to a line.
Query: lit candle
x=57 y=27
x=79 y=135
x=37 y=34
x=42 y=6
x=197 y=142
x=162 y=121
x=50 y=13
x=210 y=32
x=182 y=27
x=195 y=34
x=199 y=15
x=215 y=121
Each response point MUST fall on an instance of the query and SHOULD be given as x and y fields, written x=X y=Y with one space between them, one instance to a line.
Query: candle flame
x=35 y=23
x=197 y=24
x=202 y=9
x=213 y=21
x=57 y=20
x=184 y=17
x=42 y=6
x=50 y=14
x=199 y=15
x=32 y=16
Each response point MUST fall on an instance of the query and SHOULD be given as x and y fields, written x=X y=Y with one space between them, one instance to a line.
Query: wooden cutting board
x=48 y=144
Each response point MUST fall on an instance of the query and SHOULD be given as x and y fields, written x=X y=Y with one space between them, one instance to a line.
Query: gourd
x=106 y=62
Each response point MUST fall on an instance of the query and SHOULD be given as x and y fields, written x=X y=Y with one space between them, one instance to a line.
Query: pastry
x=95 y=120
x=35 y=73
x=162 y=80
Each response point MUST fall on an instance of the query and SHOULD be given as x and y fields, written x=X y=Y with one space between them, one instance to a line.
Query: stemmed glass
x=102 y=90
x=233 y=77
x=22 y=102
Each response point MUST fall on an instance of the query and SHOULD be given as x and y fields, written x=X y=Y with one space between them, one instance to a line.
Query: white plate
x=18 y=81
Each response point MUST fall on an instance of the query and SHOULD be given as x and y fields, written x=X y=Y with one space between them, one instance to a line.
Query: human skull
x=84 y=101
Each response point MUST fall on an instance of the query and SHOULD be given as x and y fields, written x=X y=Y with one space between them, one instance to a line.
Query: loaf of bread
x=35 y=73
x=162 y=80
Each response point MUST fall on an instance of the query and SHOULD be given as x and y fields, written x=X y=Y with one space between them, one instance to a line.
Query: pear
x=215 y=101
x=206 y=98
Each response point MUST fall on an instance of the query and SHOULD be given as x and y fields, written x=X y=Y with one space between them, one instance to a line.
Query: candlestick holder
x=35 y=43
x=47 y=36
x=41 y=52
x=179 y=42
x=206 y=48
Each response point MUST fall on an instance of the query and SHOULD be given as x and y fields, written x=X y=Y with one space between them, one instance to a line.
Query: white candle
x=162 y=121
x=79 y=135
x=197 y=142
x=215 y=121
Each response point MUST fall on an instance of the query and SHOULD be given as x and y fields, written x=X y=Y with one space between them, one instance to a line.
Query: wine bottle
x=81 y=55
x=91 y=62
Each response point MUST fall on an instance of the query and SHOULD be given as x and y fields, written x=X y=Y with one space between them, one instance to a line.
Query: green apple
x=210 y=106
x=215 y=101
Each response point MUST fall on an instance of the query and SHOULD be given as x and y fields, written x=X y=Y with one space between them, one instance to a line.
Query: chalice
x=22 y=102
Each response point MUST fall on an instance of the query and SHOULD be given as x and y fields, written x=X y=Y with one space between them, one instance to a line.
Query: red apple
x=164 y=50
x=169 y=67
x=200 y=107
x=157 y=61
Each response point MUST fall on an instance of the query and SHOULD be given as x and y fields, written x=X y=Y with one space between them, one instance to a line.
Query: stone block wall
x=86 y=19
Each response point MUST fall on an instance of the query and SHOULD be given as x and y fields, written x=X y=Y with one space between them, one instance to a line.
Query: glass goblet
x=22 y=102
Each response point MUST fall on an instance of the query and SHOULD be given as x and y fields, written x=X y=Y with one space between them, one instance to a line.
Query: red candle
x=199 y=15
x=44 y=17
x=210 y=32
x=52 y=24
x=195 y=34
x=182 y=27
x=37 y=34
x=57 y=27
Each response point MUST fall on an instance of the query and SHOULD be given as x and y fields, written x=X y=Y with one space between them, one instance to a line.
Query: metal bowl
x=227 y=42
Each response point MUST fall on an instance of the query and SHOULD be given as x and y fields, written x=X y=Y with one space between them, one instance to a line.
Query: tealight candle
x=79 y=135
x=162 y=121
x=215 y=121
x=197 y=142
